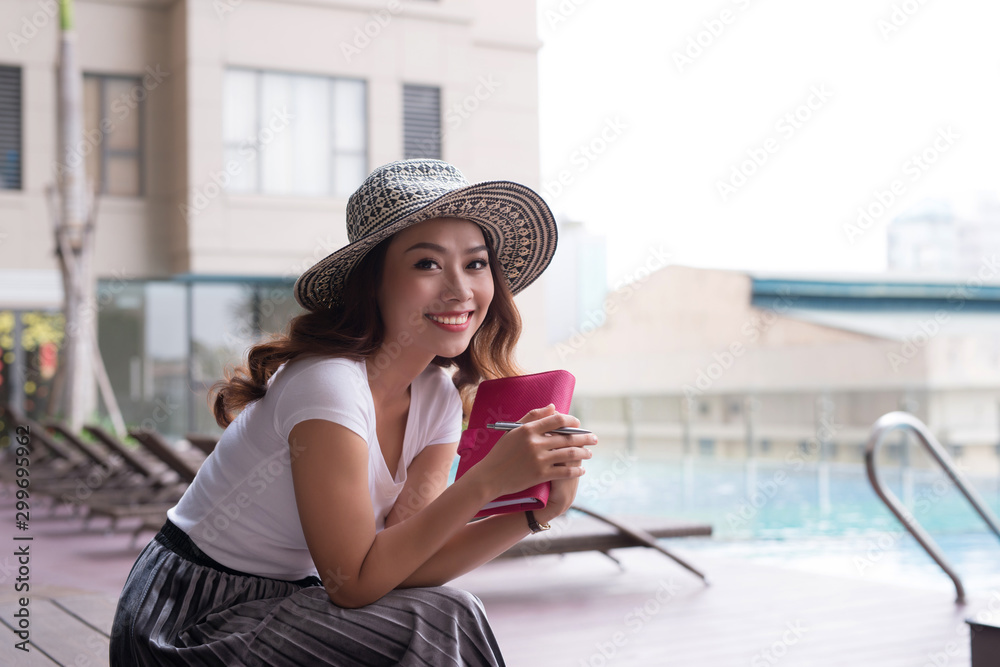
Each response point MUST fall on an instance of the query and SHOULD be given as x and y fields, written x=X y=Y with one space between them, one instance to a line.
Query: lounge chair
x=117 y=473
x=163 y=485
x=596 y=532
x=44 y=450
x=152 y=511
x=149 y=466
x=56 y=468
x=160 y=448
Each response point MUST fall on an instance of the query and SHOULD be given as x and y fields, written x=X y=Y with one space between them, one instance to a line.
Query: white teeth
x=460 y=319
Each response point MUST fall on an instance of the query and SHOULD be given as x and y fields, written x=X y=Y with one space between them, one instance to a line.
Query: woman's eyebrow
x=434 y=246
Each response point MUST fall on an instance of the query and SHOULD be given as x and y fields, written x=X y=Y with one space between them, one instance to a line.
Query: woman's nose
x=456 y=287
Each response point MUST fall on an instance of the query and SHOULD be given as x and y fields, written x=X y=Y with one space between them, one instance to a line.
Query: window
x=288 y=134
x=706 y=447
x=421 y=122
x=112 y=133
x=10 y=128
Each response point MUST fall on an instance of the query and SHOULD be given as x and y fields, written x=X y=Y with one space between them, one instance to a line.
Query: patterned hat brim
x=516 y=223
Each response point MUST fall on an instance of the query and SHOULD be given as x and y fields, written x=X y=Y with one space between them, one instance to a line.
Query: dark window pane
x=421 y=122
x=10 y=128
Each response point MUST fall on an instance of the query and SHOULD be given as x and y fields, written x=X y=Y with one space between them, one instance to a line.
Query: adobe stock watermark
x=773 y=654
x=31 y=26
x=228 y=510
x=370 y=30
x=711 y=30
x=787 y=126
x=95 y=478
x=751 y=505
x=624 y=289
x=390 y=350
x=597 y=485
x=929 y=327
x=584 y=155
x=957 y=648
x=106 y=294
x=225 y=7
x=118 y=110
x=876 y=548
x=752 y=329
x=913 y=169
x=458 y=112
x=635 y=621
x=899 y=16
x=562 y=13
x=219 y=180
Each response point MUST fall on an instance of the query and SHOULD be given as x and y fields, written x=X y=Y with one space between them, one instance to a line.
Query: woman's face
x=436 y=286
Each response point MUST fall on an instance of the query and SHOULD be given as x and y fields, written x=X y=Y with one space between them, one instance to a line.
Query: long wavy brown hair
x=355 y=331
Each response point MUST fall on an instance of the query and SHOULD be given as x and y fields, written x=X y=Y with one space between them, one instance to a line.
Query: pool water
x=823 y=518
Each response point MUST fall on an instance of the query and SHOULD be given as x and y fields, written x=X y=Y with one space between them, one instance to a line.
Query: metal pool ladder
x=903 y=421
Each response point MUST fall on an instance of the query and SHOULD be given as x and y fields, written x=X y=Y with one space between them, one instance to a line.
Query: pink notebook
x=508 y=400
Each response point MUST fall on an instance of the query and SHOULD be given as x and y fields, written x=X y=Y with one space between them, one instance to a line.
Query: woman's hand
x=529 y=455
x=563 y=491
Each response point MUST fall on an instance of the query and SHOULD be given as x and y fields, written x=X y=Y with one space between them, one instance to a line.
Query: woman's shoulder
x=315 y=373
x=320 y=366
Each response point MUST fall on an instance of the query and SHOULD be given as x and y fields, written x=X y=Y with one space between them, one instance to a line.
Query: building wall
x=482 y=54
x=122 y=39
x=484 y=59
x=424 y=43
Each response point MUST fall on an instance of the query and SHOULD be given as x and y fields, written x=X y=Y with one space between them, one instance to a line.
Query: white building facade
x=222 y=138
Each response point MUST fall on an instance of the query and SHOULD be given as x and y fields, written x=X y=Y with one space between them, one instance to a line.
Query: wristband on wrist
x=533 y=524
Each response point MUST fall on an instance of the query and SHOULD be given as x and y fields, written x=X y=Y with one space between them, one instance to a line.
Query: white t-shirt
x=240 y=509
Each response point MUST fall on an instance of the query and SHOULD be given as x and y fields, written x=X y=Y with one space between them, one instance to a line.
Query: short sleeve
x=330 y=389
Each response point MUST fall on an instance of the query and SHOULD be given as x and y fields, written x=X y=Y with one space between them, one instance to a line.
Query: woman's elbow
x=350 y=597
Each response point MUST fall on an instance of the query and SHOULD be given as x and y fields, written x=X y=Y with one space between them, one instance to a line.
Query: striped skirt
x=179 y=607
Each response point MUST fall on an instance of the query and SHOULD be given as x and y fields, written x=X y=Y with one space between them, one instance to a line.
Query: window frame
x=331 y=153
x=103 y=147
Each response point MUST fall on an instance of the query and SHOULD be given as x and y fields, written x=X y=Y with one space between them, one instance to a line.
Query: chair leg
x=644 y=538
x=621 y=565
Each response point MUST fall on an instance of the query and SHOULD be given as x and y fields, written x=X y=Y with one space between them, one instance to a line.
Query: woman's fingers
x=567 y=456
x=538 y=413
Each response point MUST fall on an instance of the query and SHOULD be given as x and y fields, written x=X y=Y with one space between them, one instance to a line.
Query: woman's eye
x=479 y=264
x=426 y=264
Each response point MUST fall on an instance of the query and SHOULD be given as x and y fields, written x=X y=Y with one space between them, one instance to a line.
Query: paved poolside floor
x=579 y=609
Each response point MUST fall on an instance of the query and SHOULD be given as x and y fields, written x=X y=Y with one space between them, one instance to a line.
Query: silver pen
x=565 y=430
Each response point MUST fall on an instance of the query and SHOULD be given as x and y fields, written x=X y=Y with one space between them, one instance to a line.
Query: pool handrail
x=904 y=420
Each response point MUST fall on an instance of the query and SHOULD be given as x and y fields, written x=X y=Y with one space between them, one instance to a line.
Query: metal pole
x=903 y=420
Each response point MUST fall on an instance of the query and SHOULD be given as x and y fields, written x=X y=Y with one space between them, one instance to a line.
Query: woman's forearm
x=474 y=545
x=401 y=550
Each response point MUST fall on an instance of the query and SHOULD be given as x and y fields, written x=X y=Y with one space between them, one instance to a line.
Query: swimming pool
x=824 y=518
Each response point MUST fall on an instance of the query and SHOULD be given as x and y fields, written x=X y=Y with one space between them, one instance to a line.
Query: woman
x=321 y=530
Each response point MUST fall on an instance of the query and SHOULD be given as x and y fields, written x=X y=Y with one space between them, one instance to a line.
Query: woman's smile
x=455 y=321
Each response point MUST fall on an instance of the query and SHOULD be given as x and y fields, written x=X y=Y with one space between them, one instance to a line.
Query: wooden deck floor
x=572 y=611
x=582 y=610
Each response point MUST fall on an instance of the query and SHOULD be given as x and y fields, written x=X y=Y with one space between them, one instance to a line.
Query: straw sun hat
x=516 y=223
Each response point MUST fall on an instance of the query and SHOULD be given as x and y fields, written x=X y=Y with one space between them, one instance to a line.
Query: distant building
x=577 y=282
x=938 y=237
x=726 y=363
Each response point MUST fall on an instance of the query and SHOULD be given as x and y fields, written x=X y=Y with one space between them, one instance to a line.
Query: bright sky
x=873 y=88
